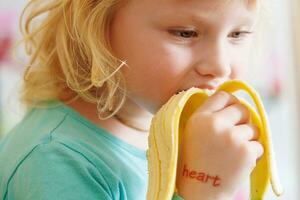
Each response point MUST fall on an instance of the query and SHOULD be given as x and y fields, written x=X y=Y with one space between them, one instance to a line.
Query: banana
x=168 y=124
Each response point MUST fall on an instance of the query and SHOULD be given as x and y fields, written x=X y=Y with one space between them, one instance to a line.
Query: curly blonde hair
x=70 y=54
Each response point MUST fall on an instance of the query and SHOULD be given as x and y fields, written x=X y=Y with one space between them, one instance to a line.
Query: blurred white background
x=274 y=73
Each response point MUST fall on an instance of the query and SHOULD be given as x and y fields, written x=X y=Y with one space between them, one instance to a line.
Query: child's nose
x=214 y=61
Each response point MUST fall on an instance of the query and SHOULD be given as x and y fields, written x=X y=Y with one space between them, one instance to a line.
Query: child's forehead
x=196 y=10
x=205 y=12
x=248 y=3
x=207 y=6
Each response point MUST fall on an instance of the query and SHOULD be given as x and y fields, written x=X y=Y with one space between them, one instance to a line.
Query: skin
x=173 y=45
x=163 y=55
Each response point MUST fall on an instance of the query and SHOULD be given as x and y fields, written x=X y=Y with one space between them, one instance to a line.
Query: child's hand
x=218 y=150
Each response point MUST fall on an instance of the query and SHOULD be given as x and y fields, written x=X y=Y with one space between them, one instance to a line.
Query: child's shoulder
x=57 y=144
x=50 y=170
x=47 y=126
x=50 y=142
x=61 y=131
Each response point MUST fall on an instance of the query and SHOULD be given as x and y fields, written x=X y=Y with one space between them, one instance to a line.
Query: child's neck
x=131 y=115
x=134 y=116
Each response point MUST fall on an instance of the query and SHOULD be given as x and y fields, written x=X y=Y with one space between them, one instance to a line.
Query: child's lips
x=209 y=88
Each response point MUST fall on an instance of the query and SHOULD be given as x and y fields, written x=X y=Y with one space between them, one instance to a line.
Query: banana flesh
x=164 y=140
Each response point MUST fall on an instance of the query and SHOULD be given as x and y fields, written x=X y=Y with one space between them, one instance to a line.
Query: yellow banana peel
x=164 y=140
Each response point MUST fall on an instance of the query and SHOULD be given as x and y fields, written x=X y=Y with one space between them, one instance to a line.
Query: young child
x=99 y=71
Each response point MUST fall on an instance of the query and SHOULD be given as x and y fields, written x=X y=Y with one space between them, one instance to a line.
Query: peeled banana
x=164 y=139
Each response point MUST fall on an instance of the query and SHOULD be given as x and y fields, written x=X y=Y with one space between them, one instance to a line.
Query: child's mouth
x=206 y=90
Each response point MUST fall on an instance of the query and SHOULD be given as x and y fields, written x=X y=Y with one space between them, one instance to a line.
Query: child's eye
x=237 y=35
x=184 y=33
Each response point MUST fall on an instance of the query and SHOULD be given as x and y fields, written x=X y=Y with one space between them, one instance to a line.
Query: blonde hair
x=70 y=54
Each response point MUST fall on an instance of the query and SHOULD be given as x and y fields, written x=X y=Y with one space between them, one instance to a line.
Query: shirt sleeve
x=177 y=197
x=54 y=171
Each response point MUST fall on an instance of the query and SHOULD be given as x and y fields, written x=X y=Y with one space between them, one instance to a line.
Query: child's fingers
x=235 y=114
x=257 y=148
x=218 y=101
x=246 y=132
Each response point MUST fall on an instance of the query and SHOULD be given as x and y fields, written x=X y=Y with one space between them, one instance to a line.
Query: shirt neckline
x=76 y=115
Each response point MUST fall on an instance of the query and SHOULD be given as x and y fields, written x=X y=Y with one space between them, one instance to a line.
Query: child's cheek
x=239 y=69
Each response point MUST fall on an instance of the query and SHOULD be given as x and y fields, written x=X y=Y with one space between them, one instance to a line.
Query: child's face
x=173 y=45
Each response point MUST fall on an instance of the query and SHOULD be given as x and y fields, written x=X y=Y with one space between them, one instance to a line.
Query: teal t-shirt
x=55 y=153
